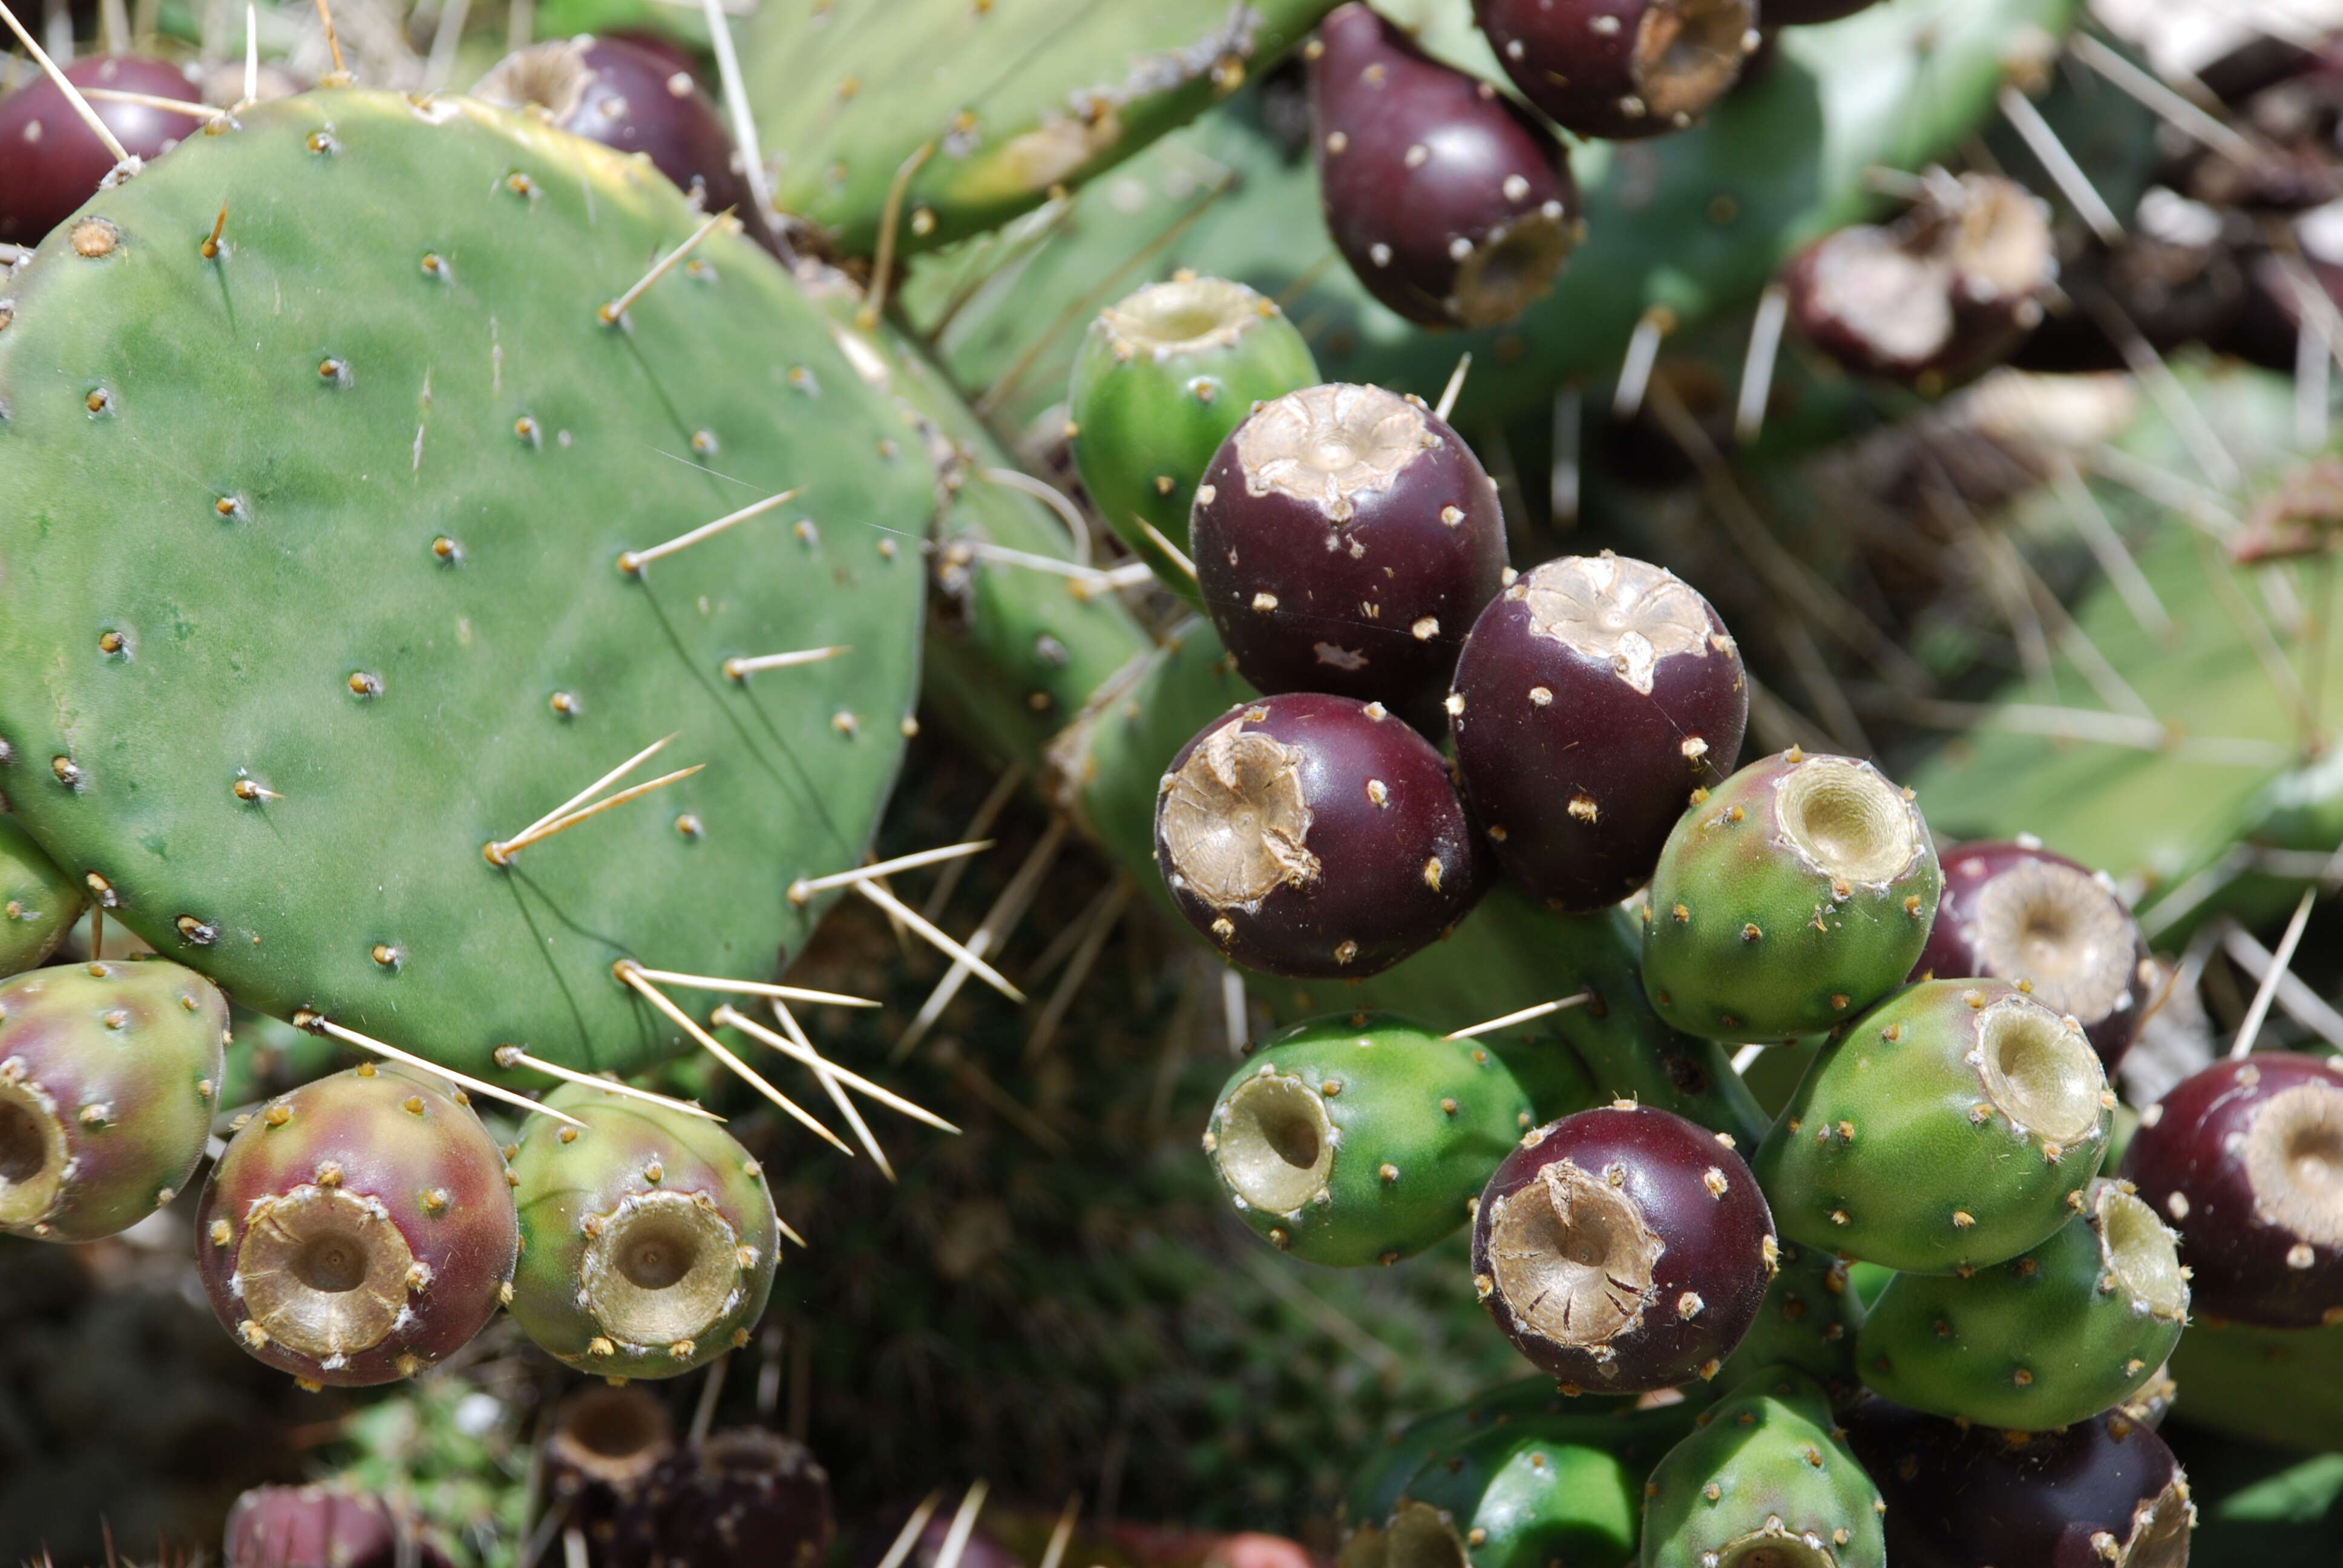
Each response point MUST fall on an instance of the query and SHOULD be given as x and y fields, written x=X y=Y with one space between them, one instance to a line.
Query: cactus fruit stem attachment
x=632 y=562
x=2266 y=991
x=805 y=888
x=1539 y=1010
x=631 y=974
x=614 y=311
x=317 y=1023
x=124 y=164
x=512 y=1056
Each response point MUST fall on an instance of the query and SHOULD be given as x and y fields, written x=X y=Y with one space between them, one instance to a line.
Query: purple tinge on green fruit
x=1621 y=68
x=1315 y=837
x=39 y=901
x=324 y=1527
x=109 y=1073
x=1454 y=206
x=2246 y=1160
x=1793 y=896
x=1163 y=375
x=624 y=96
x=741 y=1498
x=1345 y=538
x=1948 y=290
x=648 y=1237
x=2063 y=1331
x=359 y=1229
x=1766 y=1481
x=2105 y=1492
x=2015 y=911
x=1954 y=1125
x=1624 y=1249
x=1591 y=698
x=1363 y=1138
x=54 y=160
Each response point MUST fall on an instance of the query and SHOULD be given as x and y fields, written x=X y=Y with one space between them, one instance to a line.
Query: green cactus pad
x=109 y=1074
x=1791 y=899
x=1363 y=1138
x=2060 y=1332
x=1002 y=101
x=388 y=402
x=1955 y=1124
x=647 y=1237
x=38 y=900
x=1163 y=376
x=1808 y=1321
x=1766 y=1479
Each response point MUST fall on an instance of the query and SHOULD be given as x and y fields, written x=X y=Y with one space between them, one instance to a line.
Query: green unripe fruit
x=1798 y=893
x=108 y=1076
x=2278 y=1386
x=1517 y=1495
x=1766 y=1479
x=647 y=1237
x=1954 y=1124
x=1808 y=1321
x=2058 y=1333
x=1363 y=1138
x=1161 y=379
x=38 y=901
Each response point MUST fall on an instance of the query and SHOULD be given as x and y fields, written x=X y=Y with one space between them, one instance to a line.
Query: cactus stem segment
x=631 y=974
x=124 y=164
x=511 y=1056
x=1540 y=1010
x=612 y=313
x=317 y=1023
x=805 y=888
x=740 y=669
x=632 y=562
x=796 y=1045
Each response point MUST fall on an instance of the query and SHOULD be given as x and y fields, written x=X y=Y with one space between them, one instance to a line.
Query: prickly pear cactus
x=38 y=901
x=387 y=390
x=982 y=108
x=1767 y=1479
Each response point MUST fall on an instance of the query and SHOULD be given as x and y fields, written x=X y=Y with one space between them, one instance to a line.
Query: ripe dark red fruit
x=1345 y=540
x=2246 y=1160
x=1315 y=837
x=1592 y=698
x=606 y=1443
x=2019 y=913
x=1624 y=1249
x=296 y=1526
x=1453 y=205
x=743 y=1498
x=1621 y=68
x=624 y=96
x=1948 y=290
x=51 y=162
x=2102 y=1493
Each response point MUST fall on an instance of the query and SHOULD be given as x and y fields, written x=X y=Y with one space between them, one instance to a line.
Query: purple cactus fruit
x=2102 y=1493
x=1345 y=538
x=619 y=93
x=2018 y=912
x=1621 y=68
x=322 y=1527
x=2246 y=1160
x=1315 y=837
x=1624 y=1249
x=607 y=1442
x=358 y=1229
x=743 y=1498
x=1454 y=206
x=1947 y=291
x=109 y=1074
x=1592 y=698
x=53 y=162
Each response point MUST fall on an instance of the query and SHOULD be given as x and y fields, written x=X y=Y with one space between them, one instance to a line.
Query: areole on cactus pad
x=387 y=390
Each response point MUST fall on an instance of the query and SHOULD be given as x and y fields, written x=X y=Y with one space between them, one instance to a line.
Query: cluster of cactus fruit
x=282 y=700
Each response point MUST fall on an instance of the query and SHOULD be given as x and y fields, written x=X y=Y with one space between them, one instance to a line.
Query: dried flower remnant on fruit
x=1328 y=444
x=1847 y=821
x=1617 y=611
x=1574 y=1255
x=1234 y=819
